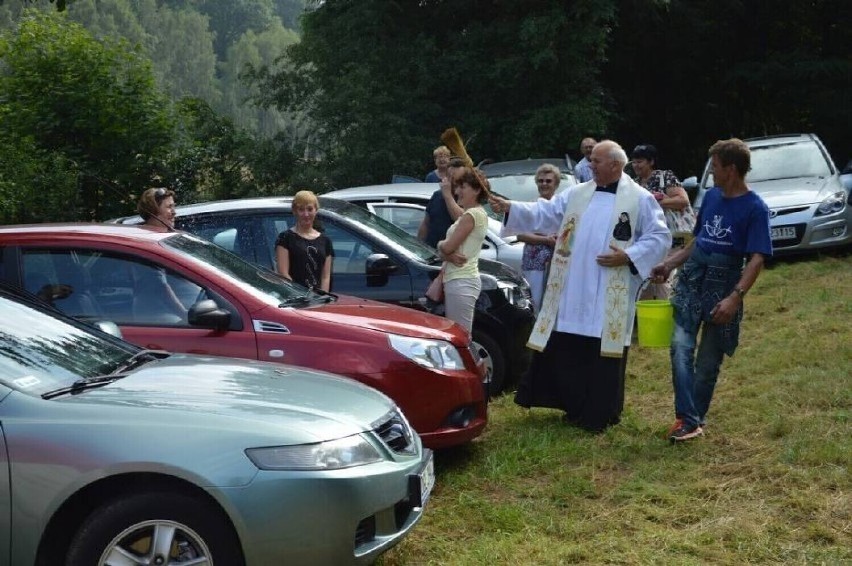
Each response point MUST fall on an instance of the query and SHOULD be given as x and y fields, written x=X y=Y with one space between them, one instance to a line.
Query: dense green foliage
x=241 y=105
x=526 y=78
x=383 y=79
x=85 y=128
x=683 y=74
x=196 y=47
x=92 y=105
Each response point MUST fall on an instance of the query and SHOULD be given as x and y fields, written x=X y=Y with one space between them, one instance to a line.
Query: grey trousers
x=459 y=300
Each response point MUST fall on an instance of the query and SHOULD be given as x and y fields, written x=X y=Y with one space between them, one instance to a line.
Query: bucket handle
x=642 y=286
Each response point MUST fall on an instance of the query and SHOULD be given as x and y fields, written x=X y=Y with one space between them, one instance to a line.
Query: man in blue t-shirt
x=732 y=229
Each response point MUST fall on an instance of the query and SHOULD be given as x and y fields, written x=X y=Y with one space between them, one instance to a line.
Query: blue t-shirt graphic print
x=733 y=226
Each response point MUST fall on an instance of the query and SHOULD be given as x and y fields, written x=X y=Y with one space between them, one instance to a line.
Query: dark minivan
x=376 y=260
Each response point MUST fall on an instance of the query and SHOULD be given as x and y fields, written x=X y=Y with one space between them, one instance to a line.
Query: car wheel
x=492 y=358
x=155 y=528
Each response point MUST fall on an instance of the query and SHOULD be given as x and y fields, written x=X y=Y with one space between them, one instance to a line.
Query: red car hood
x=383 y=317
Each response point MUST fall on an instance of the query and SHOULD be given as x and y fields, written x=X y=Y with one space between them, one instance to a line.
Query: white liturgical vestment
x=581 y=304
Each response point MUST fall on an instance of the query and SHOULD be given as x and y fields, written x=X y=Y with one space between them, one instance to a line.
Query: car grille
x=784 y=211
x=396 y=433
x=365 y=531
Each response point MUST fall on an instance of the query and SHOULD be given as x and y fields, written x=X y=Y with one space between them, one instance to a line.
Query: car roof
x=525 y=166
x=112 y=231
x=779 y=139
x=252 y=203
x=389 y=189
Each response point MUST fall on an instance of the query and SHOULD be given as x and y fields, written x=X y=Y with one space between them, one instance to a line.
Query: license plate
x=784 y=233
x=420 y=484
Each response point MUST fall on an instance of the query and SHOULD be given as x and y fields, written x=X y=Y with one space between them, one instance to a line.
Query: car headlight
x=330 y=455
x=435 y=354
x=833 y=203
x=514 y=294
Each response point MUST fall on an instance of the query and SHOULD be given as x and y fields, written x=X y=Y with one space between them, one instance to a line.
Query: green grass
x=767 y=484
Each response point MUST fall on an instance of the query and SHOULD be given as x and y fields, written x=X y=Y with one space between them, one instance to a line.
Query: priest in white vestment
x=611 y=233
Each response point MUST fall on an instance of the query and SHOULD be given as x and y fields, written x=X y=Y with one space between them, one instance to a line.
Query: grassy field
x=767 y=484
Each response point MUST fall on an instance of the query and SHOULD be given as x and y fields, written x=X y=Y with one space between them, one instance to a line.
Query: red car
x=177 y=292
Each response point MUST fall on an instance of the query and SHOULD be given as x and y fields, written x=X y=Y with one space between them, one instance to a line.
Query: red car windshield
x=259 y=281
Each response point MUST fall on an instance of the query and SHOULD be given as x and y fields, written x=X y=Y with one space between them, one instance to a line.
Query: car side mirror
x=207 y=314
x=690 y=185
x=378 y=267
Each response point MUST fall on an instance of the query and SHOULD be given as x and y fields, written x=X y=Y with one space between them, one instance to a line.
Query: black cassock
x=572 y=375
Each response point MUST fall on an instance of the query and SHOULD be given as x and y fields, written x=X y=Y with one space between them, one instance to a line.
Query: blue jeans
x=694 y=377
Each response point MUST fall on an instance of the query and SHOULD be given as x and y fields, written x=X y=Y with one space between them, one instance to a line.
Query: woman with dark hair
x=154 y=299
x=157 y=208
x=461 y=247
x=672 y=197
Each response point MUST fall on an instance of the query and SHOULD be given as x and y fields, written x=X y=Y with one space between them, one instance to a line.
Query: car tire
x=495 y=362
x=128 y=528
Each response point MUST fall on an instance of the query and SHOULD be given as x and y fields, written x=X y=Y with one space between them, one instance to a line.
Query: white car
x=404 y=204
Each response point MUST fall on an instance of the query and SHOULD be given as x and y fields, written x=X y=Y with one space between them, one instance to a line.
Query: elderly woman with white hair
x=538 y=248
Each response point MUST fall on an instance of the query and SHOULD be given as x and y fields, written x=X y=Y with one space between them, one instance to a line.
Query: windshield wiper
x=83 y=384
x=324 y=296
x=300 y=301
x=122 y=370
x=313 y=295
x=139 y=358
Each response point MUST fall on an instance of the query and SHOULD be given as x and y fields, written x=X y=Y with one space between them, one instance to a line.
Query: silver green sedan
x=112 y=455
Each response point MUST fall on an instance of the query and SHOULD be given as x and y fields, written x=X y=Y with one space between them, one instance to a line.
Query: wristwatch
x=740 y=291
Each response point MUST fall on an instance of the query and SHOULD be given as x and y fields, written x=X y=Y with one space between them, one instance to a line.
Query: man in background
x=582 y=171
x=436 y=221
x=441 y=155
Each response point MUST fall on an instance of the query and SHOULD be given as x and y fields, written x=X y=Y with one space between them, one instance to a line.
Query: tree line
x=526 y=78
x=252 y=97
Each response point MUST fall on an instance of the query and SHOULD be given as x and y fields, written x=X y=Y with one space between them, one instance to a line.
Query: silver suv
x=809 y=206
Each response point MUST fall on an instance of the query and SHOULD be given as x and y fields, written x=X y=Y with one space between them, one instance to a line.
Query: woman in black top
x=305 y=255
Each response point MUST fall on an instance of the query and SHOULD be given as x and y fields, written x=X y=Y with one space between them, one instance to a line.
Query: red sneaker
x=685 y=432
x=677 y=424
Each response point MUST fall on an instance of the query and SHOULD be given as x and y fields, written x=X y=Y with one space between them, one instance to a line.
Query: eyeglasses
x=160 y=193
x=544 y=181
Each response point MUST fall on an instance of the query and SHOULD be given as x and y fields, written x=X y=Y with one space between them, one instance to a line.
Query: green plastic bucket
x=656 y=323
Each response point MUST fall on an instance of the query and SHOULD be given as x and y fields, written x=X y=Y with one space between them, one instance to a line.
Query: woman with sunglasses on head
x=154 y=300
x=460 y=249
x=538 y=248
x=157 y=208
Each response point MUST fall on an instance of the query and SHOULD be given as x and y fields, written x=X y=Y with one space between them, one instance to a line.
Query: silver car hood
x=301 y=405
x=795 y=192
